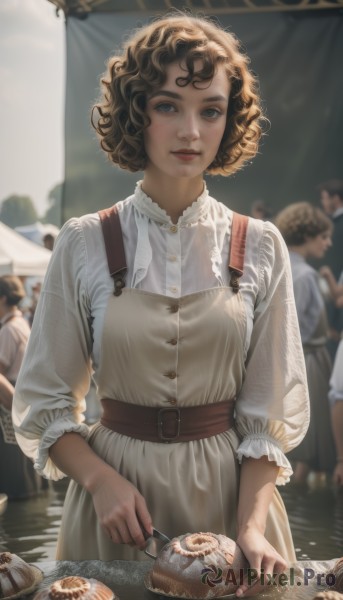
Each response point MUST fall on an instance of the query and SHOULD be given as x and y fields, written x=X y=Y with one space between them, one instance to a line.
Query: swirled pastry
x=76 y=588
x=197 y=566
x=17 y=578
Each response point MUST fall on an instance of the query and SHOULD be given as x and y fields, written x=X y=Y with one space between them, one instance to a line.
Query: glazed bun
x=76 y=588
x=338 y=573
x=17 y=578
x=197 y=565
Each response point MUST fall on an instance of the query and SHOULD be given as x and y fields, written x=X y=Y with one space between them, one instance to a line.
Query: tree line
x=18 y=210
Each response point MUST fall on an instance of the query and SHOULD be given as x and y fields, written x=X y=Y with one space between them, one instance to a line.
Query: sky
x=32 y=89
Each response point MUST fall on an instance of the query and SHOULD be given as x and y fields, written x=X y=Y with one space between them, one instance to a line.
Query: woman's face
x=318 y=245
x=187 y=124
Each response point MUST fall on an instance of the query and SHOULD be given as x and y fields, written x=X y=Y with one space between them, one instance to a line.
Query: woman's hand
x=256 y=490
x=120 y=508
x=263 y=559
x=325 y=272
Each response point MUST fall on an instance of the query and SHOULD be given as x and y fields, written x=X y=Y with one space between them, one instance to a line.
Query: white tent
x=37 y=231
x=19 y=256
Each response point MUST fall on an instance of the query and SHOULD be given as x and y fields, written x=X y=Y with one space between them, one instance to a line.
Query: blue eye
x=165 y=107
x=212 y=113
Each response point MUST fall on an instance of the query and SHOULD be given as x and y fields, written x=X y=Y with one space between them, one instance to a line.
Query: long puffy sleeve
x=55 y=375
x=272 y=409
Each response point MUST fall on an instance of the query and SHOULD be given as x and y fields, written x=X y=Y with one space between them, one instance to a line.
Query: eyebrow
x=218 y=98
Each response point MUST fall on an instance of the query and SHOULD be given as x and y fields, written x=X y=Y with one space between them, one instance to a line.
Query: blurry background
x=32 y=89
x=297 y=55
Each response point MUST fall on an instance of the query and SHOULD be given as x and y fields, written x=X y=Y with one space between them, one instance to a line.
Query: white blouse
x=272 y=409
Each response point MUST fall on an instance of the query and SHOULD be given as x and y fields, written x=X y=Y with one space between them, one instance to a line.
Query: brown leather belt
x=167 y=425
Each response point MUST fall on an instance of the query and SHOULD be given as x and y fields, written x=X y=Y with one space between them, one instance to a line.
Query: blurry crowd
x=18 y=301
x=314 y=237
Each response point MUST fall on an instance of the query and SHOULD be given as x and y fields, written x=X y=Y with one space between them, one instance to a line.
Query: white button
x=173 y=289
x=173 y=228
x=172 y=257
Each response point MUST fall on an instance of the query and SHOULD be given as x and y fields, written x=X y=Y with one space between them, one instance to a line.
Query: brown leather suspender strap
x=115 y=252
x=237 y=248
x=113 y=238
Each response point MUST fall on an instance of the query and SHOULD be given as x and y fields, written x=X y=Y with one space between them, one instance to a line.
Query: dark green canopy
x=214 y=7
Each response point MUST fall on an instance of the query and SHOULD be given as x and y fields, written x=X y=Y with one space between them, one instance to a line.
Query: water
x=29 y=528
x=316 y=519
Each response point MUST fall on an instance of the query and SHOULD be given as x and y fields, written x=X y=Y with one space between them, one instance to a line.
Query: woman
x=184 y=337
x=18 y=479
x=307 y=232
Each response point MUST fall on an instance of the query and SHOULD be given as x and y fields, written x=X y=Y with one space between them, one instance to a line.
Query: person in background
x=15 y=331
x=49 y=241
x=182 y=339
x=336 y=402
x=260 y=210
x=18 y=478
x=335 y=287
x=331 y=197
x=35 y=293
x=307 y=233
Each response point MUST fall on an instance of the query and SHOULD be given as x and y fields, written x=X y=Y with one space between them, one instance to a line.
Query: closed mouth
x=184 y=151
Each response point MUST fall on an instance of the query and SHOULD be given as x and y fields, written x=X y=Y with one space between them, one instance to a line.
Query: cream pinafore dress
x=165 y=352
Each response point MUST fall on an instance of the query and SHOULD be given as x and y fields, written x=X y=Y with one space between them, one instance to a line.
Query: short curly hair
x=300 y=221
x=141 y=69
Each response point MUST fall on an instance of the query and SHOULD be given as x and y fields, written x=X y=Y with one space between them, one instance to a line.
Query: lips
x=186 y=151
x=186 y=155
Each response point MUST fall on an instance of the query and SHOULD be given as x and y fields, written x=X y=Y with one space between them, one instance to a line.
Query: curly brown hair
x=300 y=221
x=141 y=69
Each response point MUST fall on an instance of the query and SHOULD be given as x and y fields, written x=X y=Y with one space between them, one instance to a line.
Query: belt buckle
x=160 y=423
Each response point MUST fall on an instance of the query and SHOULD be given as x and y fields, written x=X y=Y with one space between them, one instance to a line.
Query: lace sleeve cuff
x=255 y=446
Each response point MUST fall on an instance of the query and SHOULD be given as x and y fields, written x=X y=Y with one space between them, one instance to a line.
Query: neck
x=302 y=250
x=173 y=195
x=7 y=311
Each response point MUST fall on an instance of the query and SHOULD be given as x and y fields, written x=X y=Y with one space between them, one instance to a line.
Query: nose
x=188 y=127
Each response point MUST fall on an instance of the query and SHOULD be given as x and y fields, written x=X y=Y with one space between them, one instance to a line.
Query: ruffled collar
x=144 y=204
